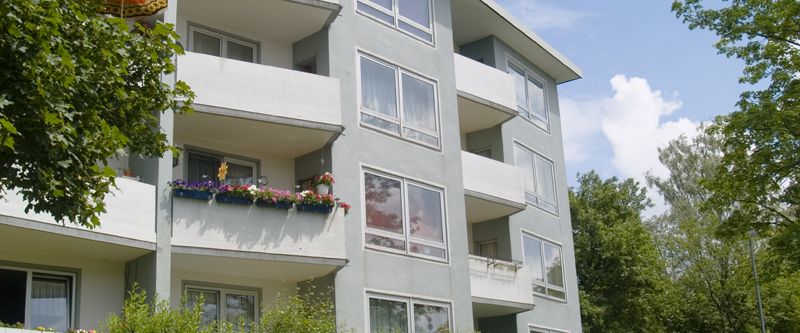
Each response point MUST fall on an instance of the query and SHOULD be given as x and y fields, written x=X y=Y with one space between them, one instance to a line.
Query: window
x=540 y=184
x=530 y=96
x=410 y=16
x=407 y=315
x=544 y=260
x=545 y=330
x=36 y=298
x=396 y=101
x=220 y=45
x=219 y=304
x=487 y=249
x=404 y=216
x=204 y=166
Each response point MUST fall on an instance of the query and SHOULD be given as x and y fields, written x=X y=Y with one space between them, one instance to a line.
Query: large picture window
x=530 y=96
x=414 y=17
x=407 y=315
x=540 y=184
x=544 y=259
x=37 y=298
x=203 y=166
x=221 y=45
x=224 y=305
x=399 y=102
x=404 y=216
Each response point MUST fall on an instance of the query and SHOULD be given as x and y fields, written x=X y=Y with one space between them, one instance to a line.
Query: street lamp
x=754 y=234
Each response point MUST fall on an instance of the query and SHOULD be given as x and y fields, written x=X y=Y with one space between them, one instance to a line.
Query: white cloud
x=540 y=15
x=632 y=122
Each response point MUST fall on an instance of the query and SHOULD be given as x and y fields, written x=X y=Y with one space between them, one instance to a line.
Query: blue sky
x=646 y=80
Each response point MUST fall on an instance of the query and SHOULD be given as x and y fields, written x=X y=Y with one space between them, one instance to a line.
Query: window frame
x=406 y=237
x=546 y=285
x=537 y=197
x=400 y=121
x=224 y=37
x=410 y=301
x=533 y=117
x=394 y=13
x=73 y=291
x=224 y=291
x=542 y=329
x=254 y=163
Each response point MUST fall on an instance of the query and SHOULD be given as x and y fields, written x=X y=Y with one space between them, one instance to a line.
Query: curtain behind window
x=418 y=103
x=387 y=316
x=202 y=165
x=50 y=302
x=240 y=52
x=378 y=88
x=206 y=44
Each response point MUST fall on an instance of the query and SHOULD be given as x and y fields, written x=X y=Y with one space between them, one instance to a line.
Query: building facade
x=439 y=120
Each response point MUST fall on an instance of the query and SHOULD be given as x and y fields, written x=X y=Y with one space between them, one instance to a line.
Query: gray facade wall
x=376 y=270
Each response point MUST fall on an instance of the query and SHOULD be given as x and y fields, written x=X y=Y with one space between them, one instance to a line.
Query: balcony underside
x=252 y=266
x=484 y=308
x=278 y=136
x=475 y=113
x=481 y=207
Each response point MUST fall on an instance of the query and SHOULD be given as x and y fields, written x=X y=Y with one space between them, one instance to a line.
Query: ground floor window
x=222 y=304
x=36 y=298
x=406 y=315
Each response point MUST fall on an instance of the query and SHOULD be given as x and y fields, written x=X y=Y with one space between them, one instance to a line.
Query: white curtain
x=50 y=302
x=378 y=89
x=536 y=96
x=524 y=161
x=206 y=44
x=544 y=178
x=240 y=52
x=387 y=316
x=418 y=103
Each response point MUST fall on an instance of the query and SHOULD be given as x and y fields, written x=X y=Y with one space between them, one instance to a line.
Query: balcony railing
x=130 y=212
x=493 y=189
x=257 y=230
x=486 y=95
x=499 y=287
x=271 y=93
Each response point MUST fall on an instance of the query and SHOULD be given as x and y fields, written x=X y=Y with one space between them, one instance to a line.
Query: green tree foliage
x=620 y=274
x=140 y=316
x=712 y=278
x=758 y=179
x=76 y=89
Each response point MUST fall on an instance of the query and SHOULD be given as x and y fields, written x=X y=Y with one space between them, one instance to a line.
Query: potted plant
x=198 y=190
x=236 y=194
x=324 y=183
x=308 y=201
x=275 y=198
x=343 y=205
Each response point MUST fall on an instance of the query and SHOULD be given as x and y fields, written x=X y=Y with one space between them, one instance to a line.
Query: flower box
x=277 y=204
x=315 y=208
x=192 y=194
x=233 y=200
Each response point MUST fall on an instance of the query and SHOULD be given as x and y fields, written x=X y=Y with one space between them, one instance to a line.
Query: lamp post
x=752 y=235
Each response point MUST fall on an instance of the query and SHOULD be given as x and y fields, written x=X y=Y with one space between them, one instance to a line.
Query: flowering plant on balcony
x=238 y=191
x=343 y=205
x=271 y=197
x=203 y=190
x=325 y=179
x=315 y=202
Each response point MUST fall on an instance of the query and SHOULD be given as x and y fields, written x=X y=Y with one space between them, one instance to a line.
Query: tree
x=758 y=179
x=711 y=275
x=77 y=89
x=620 y=274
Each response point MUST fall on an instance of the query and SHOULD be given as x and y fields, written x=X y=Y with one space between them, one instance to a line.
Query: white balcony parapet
x=497 y=187
x=258 y=230
x=130 y=212
x=274 y=92
x=487 y=84
x=499 y=286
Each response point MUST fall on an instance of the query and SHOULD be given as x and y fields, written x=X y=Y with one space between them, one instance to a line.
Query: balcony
x=299 y=245
x=241 y=103
x=492 y=189
x=485 y=95
x=129 y=217
x=499 y=287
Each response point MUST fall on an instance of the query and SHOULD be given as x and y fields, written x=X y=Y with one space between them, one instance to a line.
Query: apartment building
x=439 y=120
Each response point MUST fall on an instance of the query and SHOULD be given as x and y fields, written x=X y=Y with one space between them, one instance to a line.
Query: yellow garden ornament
x=223 y=170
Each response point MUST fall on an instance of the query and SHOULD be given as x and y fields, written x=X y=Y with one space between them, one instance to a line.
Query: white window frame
x=29 y=289
x=406 y=236
x=533 y=117
x=224 y=38
x=410 y=301
x=222 y=158
x=394 y=13
x=536 y=198
x=400 y=121
x=544 y=329
x=222 y=307
x=546 y=285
